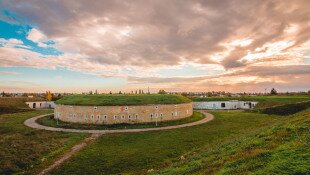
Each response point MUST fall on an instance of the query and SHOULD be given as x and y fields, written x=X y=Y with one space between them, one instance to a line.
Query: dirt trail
x=68 y=155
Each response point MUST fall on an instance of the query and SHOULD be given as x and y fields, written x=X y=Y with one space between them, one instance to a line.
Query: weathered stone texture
x=122 y=114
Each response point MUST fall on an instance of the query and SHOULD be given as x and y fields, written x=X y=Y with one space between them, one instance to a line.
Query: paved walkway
x=33 y=124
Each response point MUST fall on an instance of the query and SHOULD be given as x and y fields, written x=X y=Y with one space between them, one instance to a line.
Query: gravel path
x=97 y=133
x=33 y=124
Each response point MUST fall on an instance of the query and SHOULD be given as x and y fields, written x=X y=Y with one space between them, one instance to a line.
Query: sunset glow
x=77 y=46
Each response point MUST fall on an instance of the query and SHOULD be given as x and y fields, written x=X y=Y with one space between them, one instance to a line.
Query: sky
x=176 y=45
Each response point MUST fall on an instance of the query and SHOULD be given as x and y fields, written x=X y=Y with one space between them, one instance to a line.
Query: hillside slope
x=283 y=148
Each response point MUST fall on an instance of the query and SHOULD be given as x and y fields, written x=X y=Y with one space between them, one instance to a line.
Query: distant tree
x=161 y=91
x=110 y=92
x=49 y=96
x=136 y=91
x=273 y=91
x=96 y=92
x=90 y=92
x=209 y=94
x=3 y=94
x=120 y=92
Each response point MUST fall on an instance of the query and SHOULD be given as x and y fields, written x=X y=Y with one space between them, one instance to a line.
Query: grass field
x=264 y=101
x=50 y=121
x=282 y=148
x=137 y=153
x=235 y=142
x=24 y=150
x=122 y=99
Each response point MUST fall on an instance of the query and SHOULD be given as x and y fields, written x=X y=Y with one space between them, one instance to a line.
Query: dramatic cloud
x=253 y=41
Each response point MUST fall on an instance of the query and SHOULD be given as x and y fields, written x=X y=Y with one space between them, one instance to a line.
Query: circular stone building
x=112 y=109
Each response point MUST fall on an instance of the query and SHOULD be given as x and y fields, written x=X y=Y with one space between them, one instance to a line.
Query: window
x=126 y=108
x=92 y=117
x=223 y=105
x=151 y=115
x=123 y=117
x=172 y=113
x=129 y=116
x=40 y=104
x=115 y=117
x=105 y=117
x=98 y=117
x=137 y=116
x=161 y=114
x=95 y=107
x=156 y=107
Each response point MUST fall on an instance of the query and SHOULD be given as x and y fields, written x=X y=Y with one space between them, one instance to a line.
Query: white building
x=232 y=104
x=41 y=104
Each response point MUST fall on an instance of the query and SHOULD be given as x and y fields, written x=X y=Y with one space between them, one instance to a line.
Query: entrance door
x=33 y=105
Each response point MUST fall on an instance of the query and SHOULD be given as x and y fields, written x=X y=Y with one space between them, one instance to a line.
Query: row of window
x=123 y=117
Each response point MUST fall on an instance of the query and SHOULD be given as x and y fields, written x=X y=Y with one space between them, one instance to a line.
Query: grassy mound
x=287 y=109
x=122 y=99
x=15 y=104
x=264 y=101
x=281 y=149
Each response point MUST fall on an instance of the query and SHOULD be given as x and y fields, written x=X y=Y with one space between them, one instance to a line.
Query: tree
x=161 y=91
x=120 y=92
x=3 y=94
x=49 y=96
x=273 y=91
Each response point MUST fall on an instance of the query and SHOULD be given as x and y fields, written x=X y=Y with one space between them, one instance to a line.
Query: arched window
x=123 y=117
x=115 y=117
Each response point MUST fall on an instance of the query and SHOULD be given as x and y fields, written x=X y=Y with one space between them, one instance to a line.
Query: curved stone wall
x=122 y=114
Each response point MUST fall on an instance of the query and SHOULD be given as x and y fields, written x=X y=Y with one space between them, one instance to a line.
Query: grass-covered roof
x=122 y=99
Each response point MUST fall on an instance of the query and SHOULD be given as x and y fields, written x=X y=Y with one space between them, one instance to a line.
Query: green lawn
x=282 y=148
x=264 y=101
x=25 y=150
x=50 y=121
x=122 y=99
x=139 y=152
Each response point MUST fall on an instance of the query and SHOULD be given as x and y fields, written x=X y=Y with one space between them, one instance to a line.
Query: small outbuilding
x=226 y=105
x=41 y=104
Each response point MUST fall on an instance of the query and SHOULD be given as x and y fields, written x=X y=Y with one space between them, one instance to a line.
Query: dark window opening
x=223 y=105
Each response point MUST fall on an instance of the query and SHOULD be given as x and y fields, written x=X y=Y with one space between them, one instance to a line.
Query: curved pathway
x=33 y=124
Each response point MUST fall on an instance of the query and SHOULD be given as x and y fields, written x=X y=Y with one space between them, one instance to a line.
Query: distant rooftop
x=122 y=99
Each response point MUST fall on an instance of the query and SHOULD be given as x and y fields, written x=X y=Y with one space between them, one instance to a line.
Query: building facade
x=226 y=105
x=122 y=114
x=41 y=104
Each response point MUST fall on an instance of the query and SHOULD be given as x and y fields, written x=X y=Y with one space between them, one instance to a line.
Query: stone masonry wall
x=122 y=114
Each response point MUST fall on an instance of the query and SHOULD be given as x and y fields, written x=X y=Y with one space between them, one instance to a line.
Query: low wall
x=122 y=114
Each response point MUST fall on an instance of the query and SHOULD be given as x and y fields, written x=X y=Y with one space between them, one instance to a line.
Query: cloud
x=37 y=37
x=112 y=38
x=8 y=73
